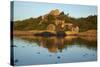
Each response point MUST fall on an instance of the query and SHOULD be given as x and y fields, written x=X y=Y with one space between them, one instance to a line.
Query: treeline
x=87 y=23
x=84 y=23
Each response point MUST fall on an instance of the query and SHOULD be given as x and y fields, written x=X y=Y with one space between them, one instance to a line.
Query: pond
x=31 y=50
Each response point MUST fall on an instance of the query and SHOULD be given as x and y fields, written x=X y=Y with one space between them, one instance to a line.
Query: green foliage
x=87 y=23
x=51 y=17
x=84 y=24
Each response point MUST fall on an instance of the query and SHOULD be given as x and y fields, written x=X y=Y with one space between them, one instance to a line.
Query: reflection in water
x=67 y=49
x=54 y=44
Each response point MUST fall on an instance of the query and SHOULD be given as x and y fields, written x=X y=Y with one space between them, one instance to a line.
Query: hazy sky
x=24 y=10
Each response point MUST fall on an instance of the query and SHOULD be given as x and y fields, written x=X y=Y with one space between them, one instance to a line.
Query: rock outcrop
x=55 y=12
x=58 y=23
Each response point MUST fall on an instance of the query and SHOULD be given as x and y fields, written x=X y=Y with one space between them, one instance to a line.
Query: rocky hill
x=56 y=20
x=55 y=12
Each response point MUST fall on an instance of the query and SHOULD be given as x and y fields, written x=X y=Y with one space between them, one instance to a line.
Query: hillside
x=49 y=20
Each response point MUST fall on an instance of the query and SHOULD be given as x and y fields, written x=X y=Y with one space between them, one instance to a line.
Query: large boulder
x=55 y=12
x=51 y=27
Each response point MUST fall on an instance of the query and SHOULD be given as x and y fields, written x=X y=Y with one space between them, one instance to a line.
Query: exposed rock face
x=75 y=28
x=51 y=27
x=58 y=23
x=55 y=12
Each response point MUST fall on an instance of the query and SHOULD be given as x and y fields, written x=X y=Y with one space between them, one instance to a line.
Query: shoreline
x=33 y=32
x=90 y=35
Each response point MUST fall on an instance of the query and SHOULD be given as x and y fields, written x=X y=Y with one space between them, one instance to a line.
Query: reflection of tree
x=54 y=44
x=89 y=44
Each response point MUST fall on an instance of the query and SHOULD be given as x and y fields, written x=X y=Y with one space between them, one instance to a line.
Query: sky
x=24 y=10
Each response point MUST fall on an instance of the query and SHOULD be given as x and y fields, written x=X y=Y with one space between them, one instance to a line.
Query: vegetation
x=84 y=23
x=87 y=23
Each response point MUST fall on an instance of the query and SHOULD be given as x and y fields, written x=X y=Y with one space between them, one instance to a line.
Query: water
x=30 y=50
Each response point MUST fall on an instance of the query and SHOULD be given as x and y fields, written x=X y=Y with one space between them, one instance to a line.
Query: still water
x=53 y=50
